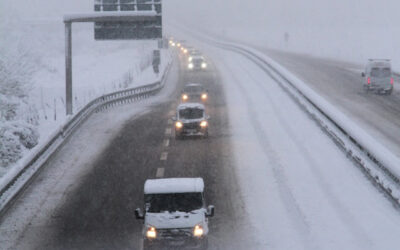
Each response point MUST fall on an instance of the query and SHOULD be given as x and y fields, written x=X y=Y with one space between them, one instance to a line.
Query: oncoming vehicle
x=194 y=92
x=175 y=214
x=191 y=119
x=193 y=53
x=378 y=76
x=197 y=63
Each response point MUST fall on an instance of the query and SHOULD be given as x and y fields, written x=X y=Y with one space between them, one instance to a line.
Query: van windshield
x=380 y=72
x=191 y=113
x=183 y=202
x=193 y=89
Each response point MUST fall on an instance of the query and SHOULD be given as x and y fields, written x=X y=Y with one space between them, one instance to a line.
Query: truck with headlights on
x=175 y=215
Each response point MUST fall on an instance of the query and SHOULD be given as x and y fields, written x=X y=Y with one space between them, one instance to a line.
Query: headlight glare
x=204 y=96
x=185 y=97
x=204 y=65
x=198 y=231
x=203 y=124
x=178 y=124
x=190 y=66
x=151 y=233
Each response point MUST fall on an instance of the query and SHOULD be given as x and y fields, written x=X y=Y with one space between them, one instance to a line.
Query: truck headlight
x=185 y=97
x=203 y=124
x=190 y=66
x=151 y=233
x=204 y=96
x=198 y=231
x=190 y=58
x=178 y=125
x=204 y=65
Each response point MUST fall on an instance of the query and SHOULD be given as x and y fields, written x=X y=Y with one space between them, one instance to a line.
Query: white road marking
x=164 y=156
x=160 y=173
x=141 y=244
x=168 y=131
x=170 y=122
x=166 y=142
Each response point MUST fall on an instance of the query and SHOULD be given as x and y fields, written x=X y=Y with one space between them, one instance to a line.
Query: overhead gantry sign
x=138 y=18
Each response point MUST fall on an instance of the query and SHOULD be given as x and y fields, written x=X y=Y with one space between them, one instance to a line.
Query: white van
x=175 y=214
x=378 y=76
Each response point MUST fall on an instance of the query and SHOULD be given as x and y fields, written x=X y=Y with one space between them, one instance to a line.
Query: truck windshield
x=191 y=113
x=183 y=202
x=380 y=72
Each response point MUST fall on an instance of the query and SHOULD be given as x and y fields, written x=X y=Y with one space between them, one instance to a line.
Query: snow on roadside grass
x=98 y=68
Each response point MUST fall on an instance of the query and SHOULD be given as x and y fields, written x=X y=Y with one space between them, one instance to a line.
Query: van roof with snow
x=174 y=185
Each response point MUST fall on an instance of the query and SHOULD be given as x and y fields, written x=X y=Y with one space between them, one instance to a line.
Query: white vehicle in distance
x=175 y=214
x=378 y=76
x=194 y=92
x=197 y=63
x=191 y=120
x=193 y=53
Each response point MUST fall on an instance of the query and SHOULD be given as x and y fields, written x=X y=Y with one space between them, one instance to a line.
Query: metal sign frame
x=125 y=16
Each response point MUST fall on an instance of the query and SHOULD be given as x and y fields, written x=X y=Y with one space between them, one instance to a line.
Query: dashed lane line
x=164 y=156
x=170 y=122
x=166 y=142
x=168 y=131
x=160 y=173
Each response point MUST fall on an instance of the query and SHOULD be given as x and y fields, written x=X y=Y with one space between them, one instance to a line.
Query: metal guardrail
x=21 y=178
x=365 y=159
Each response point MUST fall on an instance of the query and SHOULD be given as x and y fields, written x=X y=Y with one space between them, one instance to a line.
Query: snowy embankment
x=34 y=55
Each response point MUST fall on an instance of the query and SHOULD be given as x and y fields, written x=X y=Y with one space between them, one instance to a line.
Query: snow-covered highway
x=276 y=179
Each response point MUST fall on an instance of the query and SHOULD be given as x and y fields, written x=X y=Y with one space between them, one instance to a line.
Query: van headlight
x=151 y=232
x=204 y=65
x=198 y=231
x=190 y=66
x=178 y=125
x=185 y=97
x=204 y=96
x=203 y=124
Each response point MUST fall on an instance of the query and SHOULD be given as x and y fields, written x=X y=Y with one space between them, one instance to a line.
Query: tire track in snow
x=343 y=214
x=293 y=208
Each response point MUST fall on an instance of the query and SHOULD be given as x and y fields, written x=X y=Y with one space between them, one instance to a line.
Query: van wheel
x=389 y=92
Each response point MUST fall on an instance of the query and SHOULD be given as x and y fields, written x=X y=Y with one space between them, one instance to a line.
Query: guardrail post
x=68 y=67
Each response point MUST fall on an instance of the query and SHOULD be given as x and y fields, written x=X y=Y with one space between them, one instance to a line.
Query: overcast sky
x=356 y=24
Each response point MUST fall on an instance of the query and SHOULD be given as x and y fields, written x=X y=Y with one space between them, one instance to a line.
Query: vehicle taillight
x=369 y=80
x=391 y=80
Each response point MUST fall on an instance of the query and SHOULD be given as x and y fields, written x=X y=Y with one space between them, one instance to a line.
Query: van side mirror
x=210 y=211
x=208 y=117
x=362 y=74
x=139 y=214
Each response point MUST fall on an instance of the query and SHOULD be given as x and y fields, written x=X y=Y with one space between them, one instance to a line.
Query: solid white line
x=166 y=142
x=160 y=173
x=164 y=156
x=168 y=131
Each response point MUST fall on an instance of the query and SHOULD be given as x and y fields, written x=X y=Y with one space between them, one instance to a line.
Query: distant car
x=197 y=63
x=194 y=92
x=378 y=76
x=193 y=53
x=191 y=120
x=175 y=214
